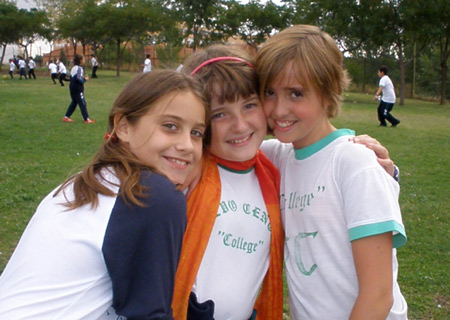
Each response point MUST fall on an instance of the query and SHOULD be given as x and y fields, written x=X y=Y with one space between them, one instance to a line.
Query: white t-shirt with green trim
x=332 y=192
x=237 y=256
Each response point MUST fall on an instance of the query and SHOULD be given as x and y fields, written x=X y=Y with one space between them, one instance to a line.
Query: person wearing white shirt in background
x=53 y=71
x=94 y=64
x=387 y=100
x=12 y=67
x=31 y=67
x=147 y=64
x=62 y=73
x=22 y=68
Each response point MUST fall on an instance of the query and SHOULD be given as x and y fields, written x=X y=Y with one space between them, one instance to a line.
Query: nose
x=240 y=123
x=185 y=142
x=277 y=108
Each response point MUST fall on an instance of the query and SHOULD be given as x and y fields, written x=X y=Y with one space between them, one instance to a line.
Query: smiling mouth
x=178 y=162
x=284 y=124
x=238 y=141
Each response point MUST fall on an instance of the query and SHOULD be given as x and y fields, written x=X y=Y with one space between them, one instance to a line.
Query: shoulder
x=354 y=162
x=354 y=155
x=162 y=192
x=163 y=206
x=276 y=151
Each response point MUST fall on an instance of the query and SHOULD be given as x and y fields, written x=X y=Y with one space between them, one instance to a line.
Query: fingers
x=387 y=165
x=364 y=139
x=380 y=151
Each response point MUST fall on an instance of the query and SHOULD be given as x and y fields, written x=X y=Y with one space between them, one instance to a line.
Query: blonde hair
x=134 y=101
x=226 y=79
x=317 y=60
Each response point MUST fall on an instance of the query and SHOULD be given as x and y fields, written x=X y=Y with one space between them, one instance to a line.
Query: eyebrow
x=255 y=97
x=177 y=118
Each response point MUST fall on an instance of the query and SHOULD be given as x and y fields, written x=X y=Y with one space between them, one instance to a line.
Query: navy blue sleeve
x=141 y=248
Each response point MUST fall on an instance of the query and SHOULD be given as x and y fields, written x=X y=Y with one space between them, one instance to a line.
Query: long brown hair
x=134 y=101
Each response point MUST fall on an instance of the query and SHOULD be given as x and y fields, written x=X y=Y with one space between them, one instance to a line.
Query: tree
x=253 y=22
x=198 y=19
x=34 y=25
x=435 y=26
x=9 y=24
x=127 y=20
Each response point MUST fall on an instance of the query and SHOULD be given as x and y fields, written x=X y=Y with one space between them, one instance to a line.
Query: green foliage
x=168 y=56
x=199 y=20
x=253 y=22
x=34 y=24
x=9 y=22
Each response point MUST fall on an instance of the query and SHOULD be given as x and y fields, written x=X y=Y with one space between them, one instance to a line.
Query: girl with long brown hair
x=106 y=242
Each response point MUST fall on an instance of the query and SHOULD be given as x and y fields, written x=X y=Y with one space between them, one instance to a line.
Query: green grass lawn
x=38 y=151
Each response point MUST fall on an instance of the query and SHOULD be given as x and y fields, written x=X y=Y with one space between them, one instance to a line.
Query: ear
x=122 y=127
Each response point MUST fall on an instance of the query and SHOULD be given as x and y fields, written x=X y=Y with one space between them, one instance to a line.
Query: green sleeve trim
x=399 y=235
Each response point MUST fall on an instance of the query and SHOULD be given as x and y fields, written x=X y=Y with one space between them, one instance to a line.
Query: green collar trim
x=303 y=153
x=236 y=171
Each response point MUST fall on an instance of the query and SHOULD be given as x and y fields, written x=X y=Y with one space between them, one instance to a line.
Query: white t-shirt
x=147 y=65
x=332 y=192
x=94 y=62
x=12 y=66
x=31 y=64
x=388 y=89
x=77 y=264
x=62 y=68
x=22 y=63
x=237 y=256
x=53 y=68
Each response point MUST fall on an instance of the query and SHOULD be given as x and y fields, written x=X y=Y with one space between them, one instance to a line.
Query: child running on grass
x=340 y=209
x=105 y=244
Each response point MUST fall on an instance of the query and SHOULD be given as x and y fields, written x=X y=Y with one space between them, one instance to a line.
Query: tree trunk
x=443 y=81
x=74 y=44
x=195 y=36
x=401 y=63
x=444 y=47
x=3 y=56
x=363 y=87
x=118 y=59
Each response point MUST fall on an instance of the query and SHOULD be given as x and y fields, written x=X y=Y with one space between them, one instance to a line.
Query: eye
x=250 y=106
x=170 y=126
x=218 y=115
x=197 y=133
x=268 y=92
x=297 y=94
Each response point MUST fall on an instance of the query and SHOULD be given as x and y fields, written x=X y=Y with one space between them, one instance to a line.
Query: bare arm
x=373 y=263
x=378 y=93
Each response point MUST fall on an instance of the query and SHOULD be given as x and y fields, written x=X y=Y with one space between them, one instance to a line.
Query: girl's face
x=169 y=137
x=295 y=114
x=237 y=128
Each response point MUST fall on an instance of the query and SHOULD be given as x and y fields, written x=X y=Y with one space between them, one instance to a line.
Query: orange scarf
x=203 y=205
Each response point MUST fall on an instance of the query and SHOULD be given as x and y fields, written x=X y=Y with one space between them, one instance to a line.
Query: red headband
x=220 y=59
